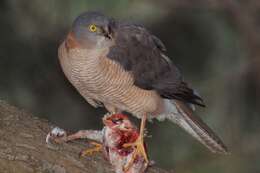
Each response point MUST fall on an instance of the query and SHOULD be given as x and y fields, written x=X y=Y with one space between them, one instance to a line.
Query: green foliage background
x=214 y=43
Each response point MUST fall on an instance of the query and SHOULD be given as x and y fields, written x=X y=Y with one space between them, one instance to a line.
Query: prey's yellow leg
x=97 y=148
x=139 y=150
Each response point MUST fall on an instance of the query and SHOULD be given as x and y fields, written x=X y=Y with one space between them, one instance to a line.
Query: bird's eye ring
x=92 y=28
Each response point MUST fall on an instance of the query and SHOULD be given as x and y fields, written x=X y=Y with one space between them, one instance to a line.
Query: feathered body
x=124 y=68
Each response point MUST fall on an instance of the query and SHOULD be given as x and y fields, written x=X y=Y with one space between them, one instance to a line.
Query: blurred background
x=216 y=45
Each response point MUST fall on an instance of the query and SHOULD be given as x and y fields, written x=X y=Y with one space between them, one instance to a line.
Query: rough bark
x=23 y=148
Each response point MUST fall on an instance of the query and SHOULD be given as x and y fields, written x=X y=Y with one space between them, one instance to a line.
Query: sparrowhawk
x=123 y=67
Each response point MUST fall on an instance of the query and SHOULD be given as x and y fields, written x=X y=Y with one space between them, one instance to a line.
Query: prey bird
x=123 y=67
x=117 y=131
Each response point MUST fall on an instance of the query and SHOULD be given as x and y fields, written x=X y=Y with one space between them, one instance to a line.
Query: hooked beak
x=107 y=32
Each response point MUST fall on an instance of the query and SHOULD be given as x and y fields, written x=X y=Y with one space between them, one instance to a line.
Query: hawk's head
x=118 y=122
x=93 y=29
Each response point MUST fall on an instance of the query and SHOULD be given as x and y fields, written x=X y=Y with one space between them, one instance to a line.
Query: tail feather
x=185 y=118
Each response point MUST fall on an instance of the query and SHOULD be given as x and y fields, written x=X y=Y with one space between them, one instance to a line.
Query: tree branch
x=23 y=148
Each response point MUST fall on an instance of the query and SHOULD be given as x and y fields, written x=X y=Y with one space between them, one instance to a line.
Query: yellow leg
x=97 y=148
x=138 y=145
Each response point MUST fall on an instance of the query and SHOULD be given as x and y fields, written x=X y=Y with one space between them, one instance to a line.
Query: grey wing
x=143 y=54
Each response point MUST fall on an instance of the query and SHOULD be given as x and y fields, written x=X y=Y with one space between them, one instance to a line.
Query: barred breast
x=98 y=78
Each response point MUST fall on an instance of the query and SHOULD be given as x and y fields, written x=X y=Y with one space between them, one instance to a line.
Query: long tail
x=185 y=118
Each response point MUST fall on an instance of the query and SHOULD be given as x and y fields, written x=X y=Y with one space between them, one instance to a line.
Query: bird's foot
x=139 y=151
x=97 y=148
x=57 y=135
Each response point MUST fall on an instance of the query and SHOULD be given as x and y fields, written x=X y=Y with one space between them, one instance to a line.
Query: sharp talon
x=97 y=148
x=139 y=151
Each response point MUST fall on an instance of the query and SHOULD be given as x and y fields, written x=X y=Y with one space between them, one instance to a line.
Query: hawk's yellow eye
x=92 y=28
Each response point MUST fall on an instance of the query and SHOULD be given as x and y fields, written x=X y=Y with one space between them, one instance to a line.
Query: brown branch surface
x=23 y=148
